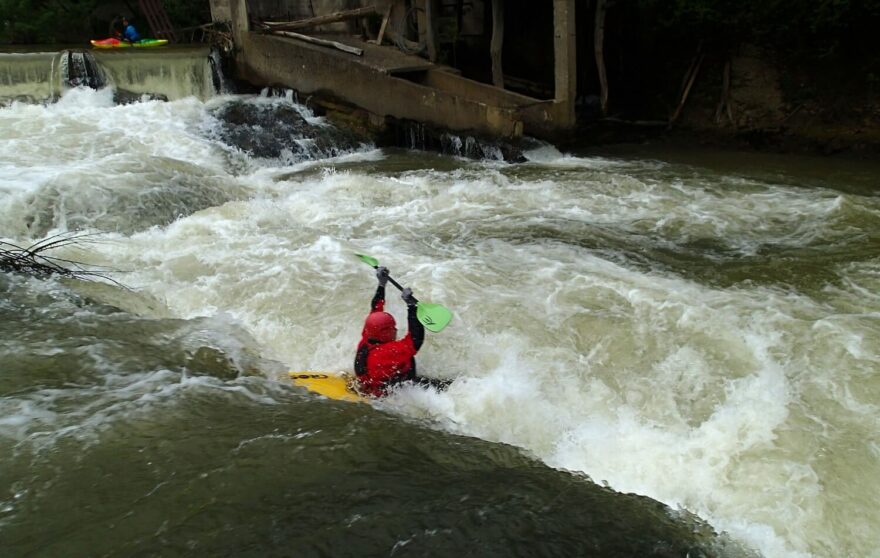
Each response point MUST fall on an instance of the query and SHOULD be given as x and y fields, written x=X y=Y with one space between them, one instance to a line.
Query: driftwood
x=497 y=43
x=319 y=20
x=321 y=42
x=599 y=53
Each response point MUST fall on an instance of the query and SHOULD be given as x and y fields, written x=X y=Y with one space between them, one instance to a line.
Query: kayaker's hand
x=408 y=298
x=382 y=275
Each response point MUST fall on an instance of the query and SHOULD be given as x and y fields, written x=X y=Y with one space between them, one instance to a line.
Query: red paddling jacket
x=382 y=360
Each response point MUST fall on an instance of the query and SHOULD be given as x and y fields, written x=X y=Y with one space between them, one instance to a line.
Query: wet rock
x=271 y=130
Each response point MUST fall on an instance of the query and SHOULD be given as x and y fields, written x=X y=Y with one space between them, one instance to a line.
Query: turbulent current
x=653 y=353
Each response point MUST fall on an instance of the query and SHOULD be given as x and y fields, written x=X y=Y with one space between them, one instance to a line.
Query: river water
x=632 y=331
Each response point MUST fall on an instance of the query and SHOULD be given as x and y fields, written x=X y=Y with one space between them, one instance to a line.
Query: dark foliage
x=60 y=21
x=818 y=28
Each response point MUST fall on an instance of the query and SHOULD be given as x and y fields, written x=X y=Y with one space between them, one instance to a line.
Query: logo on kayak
x=309 y=376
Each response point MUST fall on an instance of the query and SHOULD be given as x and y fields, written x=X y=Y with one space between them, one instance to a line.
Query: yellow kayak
x=335 y=385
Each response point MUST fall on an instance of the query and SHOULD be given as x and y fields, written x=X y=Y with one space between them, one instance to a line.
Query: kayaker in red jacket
x=382 y=360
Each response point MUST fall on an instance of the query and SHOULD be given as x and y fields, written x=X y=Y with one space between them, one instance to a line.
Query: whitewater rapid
x=708 y=339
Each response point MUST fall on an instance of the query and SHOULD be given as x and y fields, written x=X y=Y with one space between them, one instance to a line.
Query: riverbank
x=758 y=100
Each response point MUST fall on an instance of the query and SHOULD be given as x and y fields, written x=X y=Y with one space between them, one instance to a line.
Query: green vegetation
x=70 y=21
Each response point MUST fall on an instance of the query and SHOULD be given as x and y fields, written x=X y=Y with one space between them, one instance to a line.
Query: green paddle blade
x=369 y=260
x=433 y=316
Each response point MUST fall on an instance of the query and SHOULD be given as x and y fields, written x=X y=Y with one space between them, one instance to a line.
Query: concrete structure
x=388 y=83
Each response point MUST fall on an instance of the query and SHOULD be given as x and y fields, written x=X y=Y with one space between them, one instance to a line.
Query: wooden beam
x=565 y=61
x=321 y=42
x=497 y=43
x=599 y=53
x=431 y=29
x=320 y=20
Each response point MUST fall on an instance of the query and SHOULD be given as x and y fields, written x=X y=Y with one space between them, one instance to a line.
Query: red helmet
x=381 y=327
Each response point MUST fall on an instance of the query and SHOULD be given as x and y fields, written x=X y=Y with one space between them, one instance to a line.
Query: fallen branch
x=33 y=260
x=694 y=70
x=321 y=42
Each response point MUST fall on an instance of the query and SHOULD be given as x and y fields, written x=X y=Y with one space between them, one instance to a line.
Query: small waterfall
x=170 y=74
x=79 y=69
x=222 y=85
x=471 y=147
x=30 y=77
x=423 y=137
x=417 y=136
x=36 y=77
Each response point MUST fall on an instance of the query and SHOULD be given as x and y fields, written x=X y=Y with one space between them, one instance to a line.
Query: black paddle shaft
x=395 y=283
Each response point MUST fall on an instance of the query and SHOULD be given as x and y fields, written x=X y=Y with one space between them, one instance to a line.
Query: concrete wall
x=444 y=100
x=265 y=59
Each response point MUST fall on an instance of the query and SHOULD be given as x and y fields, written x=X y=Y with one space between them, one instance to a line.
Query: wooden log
x=321 y=42
x=320 y=20
x=497 y=43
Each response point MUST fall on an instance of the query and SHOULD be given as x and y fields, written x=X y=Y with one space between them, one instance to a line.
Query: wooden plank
x=320 y=20
x=158 y=20
x=431 y=32
x=321 y=42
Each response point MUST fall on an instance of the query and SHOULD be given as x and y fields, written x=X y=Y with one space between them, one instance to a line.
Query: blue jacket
x=131 y=33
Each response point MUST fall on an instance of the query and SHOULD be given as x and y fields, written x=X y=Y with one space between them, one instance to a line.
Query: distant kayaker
x=129 y=33
x=382 y=360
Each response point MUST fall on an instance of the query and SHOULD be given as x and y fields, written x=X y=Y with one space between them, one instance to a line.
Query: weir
x=172 y=73
x=29 y=76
